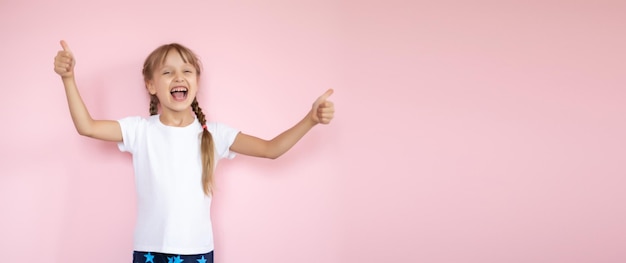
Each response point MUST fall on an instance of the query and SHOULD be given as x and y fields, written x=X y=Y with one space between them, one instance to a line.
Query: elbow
x=272 y=156
x=84 y=132
x=271 y=150
x=81 y=132
x=86 y=129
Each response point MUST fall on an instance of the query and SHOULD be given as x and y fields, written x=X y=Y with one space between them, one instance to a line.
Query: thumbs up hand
x=323 y=110
x=64 y=62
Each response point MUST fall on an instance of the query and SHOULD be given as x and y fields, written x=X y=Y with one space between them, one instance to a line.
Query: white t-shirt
x=173 y=213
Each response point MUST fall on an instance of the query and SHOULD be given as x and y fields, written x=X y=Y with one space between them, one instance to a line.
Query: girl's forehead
x=174 y=59
x=174 y=56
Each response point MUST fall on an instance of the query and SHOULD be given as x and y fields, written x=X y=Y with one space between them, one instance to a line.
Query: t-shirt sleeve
x=129 y=127
x=224 y=136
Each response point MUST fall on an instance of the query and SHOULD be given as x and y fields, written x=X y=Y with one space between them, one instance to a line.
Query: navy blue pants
x=152 y=257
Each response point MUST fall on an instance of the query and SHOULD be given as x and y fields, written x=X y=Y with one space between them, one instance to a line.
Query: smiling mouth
x=179 y=93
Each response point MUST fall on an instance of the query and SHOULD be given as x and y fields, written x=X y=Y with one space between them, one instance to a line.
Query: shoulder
x=137 y=120
x=218 y=127
x=222 y=131
x=224 y=136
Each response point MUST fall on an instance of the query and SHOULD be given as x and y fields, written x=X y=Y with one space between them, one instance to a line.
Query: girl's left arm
x=322 y=112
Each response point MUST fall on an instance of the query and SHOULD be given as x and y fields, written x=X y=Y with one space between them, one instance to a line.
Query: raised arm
x=107 y=130
x=322 y=112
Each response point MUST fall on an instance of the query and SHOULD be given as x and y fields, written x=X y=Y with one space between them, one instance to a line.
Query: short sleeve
x=129 y=127
x=224 y=137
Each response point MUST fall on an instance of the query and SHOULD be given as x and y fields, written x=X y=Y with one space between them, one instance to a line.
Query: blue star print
x=202 y=260
x=170 y=259
x=149 y=257
x=177 y=259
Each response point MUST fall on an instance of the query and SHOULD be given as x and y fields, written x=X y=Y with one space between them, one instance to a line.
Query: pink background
x=465 y=132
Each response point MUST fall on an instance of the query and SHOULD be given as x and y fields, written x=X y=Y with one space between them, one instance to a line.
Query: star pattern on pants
x=175 y=259
x=149 y=258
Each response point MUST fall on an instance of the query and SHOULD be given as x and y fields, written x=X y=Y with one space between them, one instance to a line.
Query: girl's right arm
x=107 y=130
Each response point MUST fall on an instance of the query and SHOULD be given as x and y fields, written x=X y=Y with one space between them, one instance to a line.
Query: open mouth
x=179 y=93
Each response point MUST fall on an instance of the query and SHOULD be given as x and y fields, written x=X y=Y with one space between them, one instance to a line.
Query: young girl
x=175 y=152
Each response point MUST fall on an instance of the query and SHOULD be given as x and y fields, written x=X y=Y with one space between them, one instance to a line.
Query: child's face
x=175 y=83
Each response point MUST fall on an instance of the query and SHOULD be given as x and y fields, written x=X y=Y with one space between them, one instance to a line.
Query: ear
x=150 y=87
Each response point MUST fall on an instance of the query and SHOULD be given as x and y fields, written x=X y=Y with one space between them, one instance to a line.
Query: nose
x=179 y=78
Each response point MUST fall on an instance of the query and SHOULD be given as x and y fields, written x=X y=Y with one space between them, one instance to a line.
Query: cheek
x=193 y=92
x=194 y=82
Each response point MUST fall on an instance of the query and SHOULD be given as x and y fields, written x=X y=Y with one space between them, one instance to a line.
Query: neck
x=177 y=119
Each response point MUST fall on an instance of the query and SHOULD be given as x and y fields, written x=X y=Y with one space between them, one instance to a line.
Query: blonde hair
x=207 y=149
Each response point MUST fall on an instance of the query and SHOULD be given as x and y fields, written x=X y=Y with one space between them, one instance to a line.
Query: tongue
x=178 y=95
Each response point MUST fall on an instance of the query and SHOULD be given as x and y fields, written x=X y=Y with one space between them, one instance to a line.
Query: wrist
x=310 y=119
x=67 y=78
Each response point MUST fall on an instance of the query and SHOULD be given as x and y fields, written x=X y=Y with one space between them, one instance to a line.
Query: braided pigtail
x=207 y=150
x=154 y=103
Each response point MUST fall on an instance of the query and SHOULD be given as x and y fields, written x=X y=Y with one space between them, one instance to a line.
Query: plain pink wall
x=485 y=131
x=482 y=132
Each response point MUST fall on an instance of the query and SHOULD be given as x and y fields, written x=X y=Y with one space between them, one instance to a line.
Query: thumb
x=65 y=46
x=325 y=96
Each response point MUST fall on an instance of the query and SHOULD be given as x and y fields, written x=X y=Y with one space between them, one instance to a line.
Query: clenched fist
x=323 y=110
x=64 y=62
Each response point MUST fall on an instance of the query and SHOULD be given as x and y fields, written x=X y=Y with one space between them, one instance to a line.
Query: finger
x=61 y=69
x=64 y=56
x=328 y=105
x=325 y=114
x=65 y=46
x=63 y=59
x=323 y=108
x=325 y=96
x=329 y=117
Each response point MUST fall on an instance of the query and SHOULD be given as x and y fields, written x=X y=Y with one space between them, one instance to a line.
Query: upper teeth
x=179 y=90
